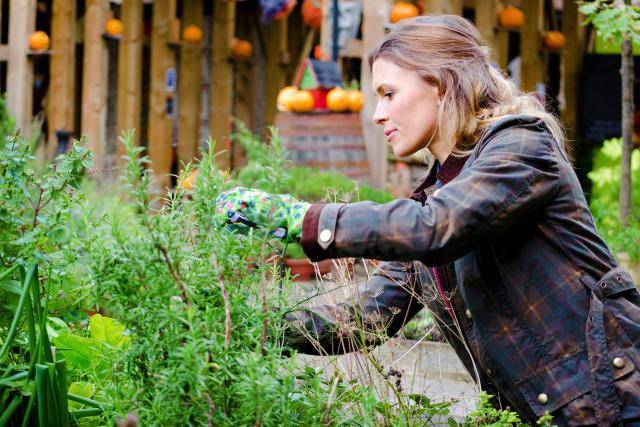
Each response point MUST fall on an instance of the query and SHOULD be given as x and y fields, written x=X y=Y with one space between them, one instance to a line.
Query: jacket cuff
x=309 y=240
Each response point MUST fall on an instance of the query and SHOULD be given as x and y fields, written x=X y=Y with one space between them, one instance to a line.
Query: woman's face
x=407 y=107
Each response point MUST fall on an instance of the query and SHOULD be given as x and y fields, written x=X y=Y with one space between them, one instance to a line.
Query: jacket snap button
x=467 y=313
x=325 y=235
x=618 y=363
x=543 y=399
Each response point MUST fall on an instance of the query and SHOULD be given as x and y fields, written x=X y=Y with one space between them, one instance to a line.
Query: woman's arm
x=514 y=174
x=382 y=305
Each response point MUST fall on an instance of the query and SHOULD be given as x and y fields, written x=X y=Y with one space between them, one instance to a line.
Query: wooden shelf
x=111 y=38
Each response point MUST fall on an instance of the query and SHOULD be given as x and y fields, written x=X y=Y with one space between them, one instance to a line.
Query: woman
x=499 y=231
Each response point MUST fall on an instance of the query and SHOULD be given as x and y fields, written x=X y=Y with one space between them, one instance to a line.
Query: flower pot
x=303 y=269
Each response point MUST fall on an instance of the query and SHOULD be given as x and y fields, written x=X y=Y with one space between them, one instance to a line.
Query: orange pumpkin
x=356 y=100
x=319 y=54
x=241 y=49
x=312 y=13
x=285 y=98
x=189 y=181
x=39 y=41
x=511 y=17
x=192 y=34
x=554 y=40
x=114 y=27
x=337 y=100
x=403 y=10
x=302 y=101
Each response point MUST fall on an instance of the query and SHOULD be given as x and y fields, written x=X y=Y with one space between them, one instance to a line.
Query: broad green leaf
x=82 y=389
x=80 y=352
x=107 y=330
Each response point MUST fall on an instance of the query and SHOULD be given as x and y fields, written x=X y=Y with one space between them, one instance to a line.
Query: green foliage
x=198 y=338
x=7 y=124
x=605 y=198
x=614 y=21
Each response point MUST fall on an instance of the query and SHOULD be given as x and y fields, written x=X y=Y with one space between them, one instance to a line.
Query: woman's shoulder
x=520 y=132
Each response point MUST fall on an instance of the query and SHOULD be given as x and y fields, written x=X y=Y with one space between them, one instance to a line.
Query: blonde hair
x=448 y=52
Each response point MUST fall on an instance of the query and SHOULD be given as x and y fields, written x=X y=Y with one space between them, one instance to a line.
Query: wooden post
x=189 y=80
x=130 y=71
x=277 y=60
x=61 y=96
x=224 y=13
x=486 y=21
x=530 y=38
x=160 y=124
x=570 y=66
x=94 y=80
x=22 y=21
x=375 y=13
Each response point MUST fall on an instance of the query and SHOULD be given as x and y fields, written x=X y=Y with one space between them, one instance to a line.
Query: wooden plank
x=130 y=71
x=189 y=81
x=485 y=21
x=4 y=52
x=22 y=21
x=224 y=13
x=532 y=63
x=372 y=31
x=61 y=97
x=502 y=49
x=276 y=52
x=162 y=59
x=94 y=80
x=571 y=64
x=434 y=6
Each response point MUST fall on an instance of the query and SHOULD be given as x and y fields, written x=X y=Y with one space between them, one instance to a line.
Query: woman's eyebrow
x=382 y=87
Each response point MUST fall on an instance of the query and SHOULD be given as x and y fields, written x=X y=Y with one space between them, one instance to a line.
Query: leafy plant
x=605 y=204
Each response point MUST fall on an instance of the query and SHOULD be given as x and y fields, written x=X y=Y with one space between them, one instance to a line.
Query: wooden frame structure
x=171 y=140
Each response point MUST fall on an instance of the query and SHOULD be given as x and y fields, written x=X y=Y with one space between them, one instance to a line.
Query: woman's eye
x=388 y=95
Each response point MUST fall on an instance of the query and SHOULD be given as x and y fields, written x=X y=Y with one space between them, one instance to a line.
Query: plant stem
x=86 y=401
x=174 y=273
x=16 y=318
x=82 y=413
x=4 y=419
x=225 y=298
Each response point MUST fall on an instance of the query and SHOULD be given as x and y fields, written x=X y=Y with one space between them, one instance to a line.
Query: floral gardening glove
x=246 y=207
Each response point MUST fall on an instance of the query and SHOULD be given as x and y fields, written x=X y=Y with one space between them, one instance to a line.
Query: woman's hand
x=247 y=207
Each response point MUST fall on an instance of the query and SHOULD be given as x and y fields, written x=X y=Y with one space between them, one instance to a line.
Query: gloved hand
x=246 y=207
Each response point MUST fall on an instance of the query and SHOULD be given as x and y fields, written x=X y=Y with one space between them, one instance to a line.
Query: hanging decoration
x=312 y=13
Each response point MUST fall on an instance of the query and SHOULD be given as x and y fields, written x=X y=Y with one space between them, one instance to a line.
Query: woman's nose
x=380 y=115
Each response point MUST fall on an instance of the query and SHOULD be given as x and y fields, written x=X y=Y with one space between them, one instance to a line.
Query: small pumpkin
x=312 y=13
x=319 y=54
x=189 y=181
x=355 y=100
x=114 y=27
x=241 y=49
x=39 y=40
x=285 y=98
x=192 y=34
x=511 y=17
x=403 y=10
x=337 y=100
x=554 y=40
x=302 y=101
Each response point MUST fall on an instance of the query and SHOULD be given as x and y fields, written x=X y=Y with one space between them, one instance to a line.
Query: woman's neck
x=440 y=150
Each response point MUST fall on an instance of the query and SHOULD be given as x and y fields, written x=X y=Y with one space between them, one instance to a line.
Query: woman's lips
x=388 y=133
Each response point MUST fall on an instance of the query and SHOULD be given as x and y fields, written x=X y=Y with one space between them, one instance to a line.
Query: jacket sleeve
x=514 y=174
x=379 y=308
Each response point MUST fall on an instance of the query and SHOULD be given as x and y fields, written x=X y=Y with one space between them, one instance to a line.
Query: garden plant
x=137 y=305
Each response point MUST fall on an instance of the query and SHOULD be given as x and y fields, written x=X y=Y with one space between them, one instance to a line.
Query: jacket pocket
x=560 y=382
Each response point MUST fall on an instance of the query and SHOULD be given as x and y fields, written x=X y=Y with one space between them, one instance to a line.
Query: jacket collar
x=447 y=172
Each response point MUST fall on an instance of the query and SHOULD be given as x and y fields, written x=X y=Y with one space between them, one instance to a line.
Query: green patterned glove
x=246 y=207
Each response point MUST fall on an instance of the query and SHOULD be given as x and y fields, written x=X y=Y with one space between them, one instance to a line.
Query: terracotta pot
x=302 y=269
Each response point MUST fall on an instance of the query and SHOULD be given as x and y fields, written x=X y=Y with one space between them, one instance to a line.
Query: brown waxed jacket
x=536 y=306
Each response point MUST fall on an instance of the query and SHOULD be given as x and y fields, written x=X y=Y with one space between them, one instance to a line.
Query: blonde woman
x=499 y=232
